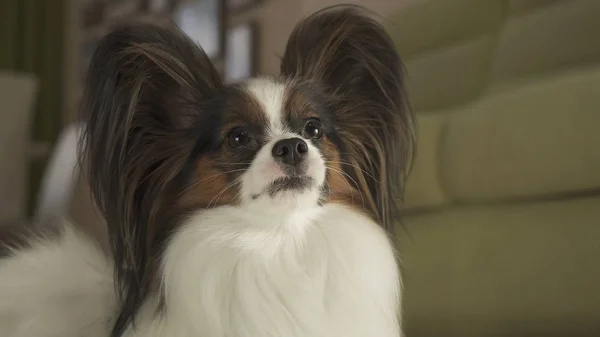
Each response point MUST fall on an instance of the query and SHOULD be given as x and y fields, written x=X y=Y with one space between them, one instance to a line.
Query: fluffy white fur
x=57 y=288
x=326 y=271
x=297 y=273
x=273 y=266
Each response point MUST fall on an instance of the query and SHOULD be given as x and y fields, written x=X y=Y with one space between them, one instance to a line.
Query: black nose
x=291 y=151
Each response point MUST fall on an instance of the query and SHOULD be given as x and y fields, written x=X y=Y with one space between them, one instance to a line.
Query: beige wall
x=276 y=18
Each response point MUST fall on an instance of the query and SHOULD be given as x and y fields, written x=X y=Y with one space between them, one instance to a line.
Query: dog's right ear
x=144 y=96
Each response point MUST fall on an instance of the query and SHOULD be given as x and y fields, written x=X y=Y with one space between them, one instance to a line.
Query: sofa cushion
x=524 y=6
x=540 y=139
x=450 y=76
x=457 y=50
x=425 y=25
x=514 y=144
x=558 y=36
x=527 y=269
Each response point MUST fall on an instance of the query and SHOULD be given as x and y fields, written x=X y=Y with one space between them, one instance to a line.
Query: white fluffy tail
x=57 y=288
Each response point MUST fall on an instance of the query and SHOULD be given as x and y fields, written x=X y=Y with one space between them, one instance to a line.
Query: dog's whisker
x=353 y=166
x=222 y=163
x=356 y=184
x=208 y=178
x=218 y=196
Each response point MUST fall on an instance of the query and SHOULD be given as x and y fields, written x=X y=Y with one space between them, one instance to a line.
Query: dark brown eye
x=313 y=129
x=239 y=137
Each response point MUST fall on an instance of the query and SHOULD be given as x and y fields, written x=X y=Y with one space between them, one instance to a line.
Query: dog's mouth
x=288 y=184
x=291 y=183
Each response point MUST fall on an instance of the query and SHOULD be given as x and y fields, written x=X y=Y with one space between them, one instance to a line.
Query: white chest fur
x=328 y=272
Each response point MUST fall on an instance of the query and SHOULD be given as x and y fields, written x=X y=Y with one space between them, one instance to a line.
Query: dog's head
x=165 y=136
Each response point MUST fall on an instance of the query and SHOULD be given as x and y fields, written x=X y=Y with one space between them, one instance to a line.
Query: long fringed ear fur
x=352 y=57
x=144 y=94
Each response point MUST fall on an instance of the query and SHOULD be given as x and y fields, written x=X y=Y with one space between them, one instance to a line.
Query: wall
x=276 y=19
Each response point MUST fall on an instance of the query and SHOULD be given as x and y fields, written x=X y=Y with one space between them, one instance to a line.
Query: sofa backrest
x=503 y=203
x=499 y=87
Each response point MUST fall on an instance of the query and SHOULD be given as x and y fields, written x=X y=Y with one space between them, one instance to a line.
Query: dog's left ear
x=352 y=57
x=146 y=94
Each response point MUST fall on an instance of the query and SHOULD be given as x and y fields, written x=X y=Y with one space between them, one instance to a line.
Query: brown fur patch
x=210 y=187
x=243 y=109
x=342 y=189
x=215 y=181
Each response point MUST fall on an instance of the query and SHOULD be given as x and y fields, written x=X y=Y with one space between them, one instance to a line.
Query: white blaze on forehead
x=270 y=95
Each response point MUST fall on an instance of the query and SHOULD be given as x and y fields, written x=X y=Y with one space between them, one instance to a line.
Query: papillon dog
x=255 y=209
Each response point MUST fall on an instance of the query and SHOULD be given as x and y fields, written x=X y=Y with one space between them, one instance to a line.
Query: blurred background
x=502 y=224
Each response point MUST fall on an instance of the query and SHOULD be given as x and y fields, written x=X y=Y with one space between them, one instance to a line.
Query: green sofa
x=502 y=229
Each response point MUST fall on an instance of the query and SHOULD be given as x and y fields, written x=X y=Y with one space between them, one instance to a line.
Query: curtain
x=32 y=40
